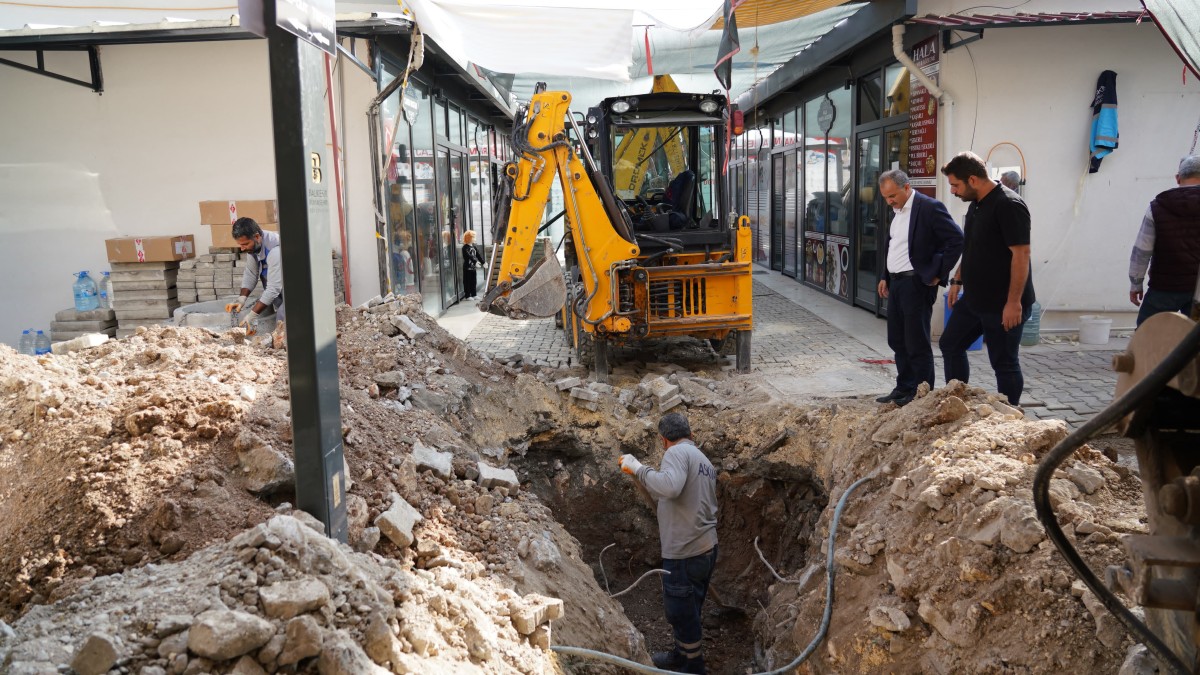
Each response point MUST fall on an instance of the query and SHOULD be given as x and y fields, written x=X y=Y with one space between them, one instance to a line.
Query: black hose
x=830 y=572
x=1134 y=398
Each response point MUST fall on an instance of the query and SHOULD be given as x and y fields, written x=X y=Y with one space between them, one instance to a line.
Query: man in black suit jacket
x=924 y=244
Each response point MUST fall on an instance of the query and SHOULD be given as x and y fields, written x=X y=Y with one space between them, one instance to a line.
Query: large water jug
x=106 y=291
x=25 y=346
x=85 y=293
x=41 y=344
x=1031 y=333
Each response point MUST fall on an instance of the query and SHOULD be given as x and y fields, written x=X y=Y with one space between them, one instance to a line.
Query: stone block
x=143 y=266
x=146 y=275
x=81 y=326
x=91 y=315
x=584 y=394
x=150 y=294
x=222 y=634
x=96 y=655
x=429 y=458
x=398 y=521
x=288 y=599
x=406 y=326
x=568 y=383
x=490 y=477
x=673 y=401
x=153 y=284
x=82 y=342
x=533 y=610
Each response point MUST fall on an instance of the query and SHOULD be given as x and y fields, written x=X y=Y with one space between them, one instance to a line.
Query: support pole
x=303 y=175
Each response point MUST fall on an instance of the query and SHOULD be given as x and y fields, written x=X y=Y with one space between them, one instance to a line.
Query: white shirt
x=897 y=258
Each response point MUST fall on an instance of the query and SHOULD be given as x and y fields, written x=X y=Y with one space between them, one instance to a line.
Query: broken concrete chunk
x=950 y=409
x=427 y=458
x=96 y=655
x=392 y=379
x=266 y=470
x=397 y=522
x=889 y=619
x=246 y=666
x=669 y=403
x=532 y=611
x=82 y=342
x=302 y=639
x=491 y=477
x=406 y=326
x=600 y=387
x=544 y=553
x=287 y=599
x=662 y=389
x=222 y=634
x=341 y=655
x=568 y=383
x=1088 y=479
x=584 y=394
x=1021 y=530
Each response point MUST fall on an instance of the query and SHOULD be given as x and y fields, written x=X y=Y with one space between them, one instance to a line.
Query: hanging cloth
x=1104 y=119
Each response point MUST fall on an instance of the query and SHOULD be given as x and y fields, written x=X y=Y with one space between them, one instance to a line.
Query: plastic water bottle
x=1031 y=333
x=25 y=346
x=85 y=293
x=41 y=344
x=106 y=291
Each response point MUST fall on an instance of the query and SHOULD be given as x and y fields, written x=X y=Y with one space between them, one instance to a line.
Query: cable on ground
x=808 y=651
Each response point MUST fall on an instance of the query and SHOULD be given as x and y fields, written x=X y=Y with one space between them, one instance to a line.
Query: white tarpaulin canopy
x=594 y=48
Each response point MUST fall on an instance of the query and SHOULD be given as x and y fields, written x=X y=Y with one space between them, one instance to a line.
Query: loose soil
x=127 y=497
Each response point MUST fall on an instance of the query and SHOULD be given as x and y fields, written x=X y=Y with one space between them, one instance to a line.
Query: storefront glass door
x=878 y=151
x=451 y=167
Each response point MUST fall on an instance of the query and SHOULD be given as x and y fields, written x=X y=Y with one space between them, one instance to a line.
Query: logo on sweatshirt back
x=707 y=470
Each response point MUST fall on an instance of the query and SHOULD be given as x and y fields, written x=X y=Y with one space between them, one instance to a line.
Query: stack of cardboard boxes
x=144 y=274
x=219 y=217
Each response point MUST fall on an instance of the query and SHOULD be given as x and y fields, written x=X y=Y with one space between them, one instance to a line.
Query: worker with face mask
x=263 y=264
x=685 y=492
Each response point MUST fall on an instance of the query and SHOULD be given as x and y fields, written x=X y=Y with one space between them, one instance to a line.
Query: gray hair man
x=923 y=246
x=1168 y=243
x=1011 y=180
x=685 y=491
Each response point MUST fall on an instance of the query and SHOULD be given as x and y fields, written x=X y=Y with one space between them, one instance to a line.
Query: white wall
x=1034 y=87
x=177 y=124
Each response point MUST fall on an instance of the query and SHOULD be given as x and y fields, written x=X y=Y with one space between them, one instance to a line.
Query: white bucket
x=1094 y=329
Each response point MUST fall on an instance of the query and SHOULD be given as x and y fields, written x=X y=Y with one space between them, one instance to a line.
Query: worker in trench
x=263 y=263
x=684 y=492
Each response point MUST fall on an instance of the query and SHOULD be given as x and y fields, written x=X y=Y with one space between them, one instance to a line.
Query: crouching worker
x=685 y=491
x=263 y=262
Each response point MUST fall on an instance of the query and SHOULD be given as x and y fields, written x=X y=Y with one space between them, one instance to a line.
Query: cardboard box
x=222 y=235
x=150 y=249
x=225 y=212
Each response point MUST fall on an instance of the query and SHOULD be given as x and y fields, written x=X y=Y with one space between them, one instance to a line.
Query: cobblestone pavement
x=798 y=355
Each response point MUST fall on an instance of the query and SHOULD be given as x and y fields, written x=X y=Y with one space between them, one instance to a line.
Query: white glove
x=247 y=321
x=630 y=465
x=236 y=306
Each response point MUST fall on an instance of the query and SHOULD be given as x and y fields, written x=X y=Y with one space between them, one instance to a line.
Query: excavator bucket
x=541 y=294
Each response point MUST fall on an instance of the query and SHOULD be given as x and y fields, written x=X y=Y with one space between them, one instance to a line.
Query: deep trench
x=777 y=503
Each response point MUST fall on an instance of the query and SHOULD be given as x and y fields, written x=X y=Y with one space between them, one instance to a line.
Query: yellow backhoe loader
x=651 y=248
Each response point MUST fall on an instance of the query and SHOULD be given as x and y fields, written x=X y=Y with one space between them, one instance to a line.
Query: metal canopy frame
x=977 y=23
x=96 y=83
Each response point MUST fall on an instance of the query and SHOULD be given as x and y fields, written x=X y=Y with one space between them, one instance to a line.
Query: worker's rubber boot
x=671 y=660
x=694 y=666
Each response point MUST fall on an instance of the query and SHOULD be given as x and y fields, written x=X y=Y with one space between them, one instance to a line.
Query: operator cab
x=662 y=153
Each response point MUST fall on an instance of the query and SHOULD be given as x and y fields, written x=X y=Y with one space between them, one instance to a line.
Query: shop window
x=454 y=130
x=838 y=150
x=870 y=98
x=789 y=128
x=816 y=198
x=427 y=239
x=895 y=100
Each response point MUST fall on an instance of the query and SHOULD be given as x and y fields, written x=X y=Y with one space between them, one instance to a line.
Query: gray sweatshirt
x=686 y=492
x=272 y=256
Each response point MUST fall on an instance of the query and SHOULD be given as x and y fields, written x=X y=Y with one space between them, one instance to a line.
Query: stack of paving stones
x=144 y=294
x=217 y=274
x=71 y=323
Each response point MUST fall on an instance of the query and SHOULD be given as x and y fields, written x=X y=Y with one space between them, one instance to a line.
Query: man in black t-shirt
x=995 y=277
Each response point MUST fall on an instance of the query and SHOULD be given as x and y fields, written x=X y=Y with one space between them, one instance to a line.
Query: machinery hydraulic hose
x=808 y=651
x=1137 y=395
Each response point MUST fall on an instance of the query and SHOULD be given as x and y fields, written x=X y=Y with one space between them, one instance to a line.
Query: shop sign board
x=923 y=118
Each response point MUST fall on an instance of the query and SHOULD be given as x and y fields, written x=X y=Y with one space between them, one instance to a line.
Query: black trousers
x=469 y=282
x=1003 y=347
x=909 y=312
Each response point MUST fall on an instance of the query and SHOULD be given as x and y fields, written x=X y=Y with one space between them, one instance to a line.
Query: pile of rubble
x=943 y=566
x=145 y=523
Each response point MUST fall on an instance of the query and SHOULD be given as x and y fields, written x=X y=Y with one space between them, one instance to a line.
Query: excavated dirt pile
x=942 y=564
x=146 y=519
